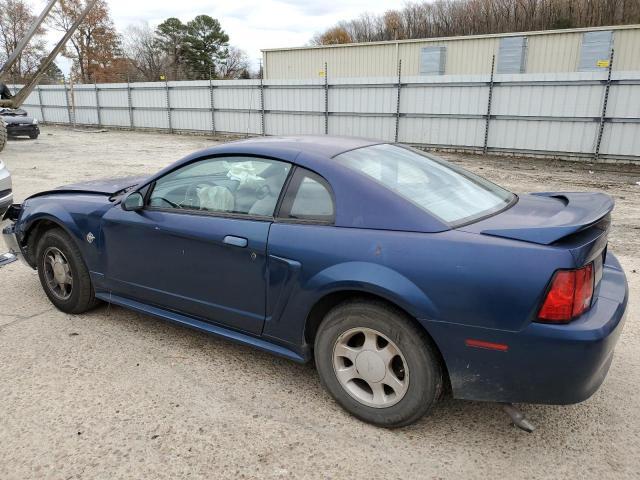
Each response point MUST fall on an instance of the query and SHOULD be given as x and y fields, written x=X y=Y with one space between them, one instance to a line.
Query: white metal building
x=551 y=51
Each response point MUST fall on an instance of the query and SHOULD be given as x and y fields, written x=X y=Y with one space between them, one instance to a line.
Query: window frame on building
x=438 y=64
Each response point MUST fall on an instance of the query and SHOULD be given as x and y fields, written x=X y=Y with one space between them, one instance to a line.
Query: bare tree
x=16 y=16
x=95 y=44
x=473 y=17
x=140 y=45
x=332 y=36
x=235 y=65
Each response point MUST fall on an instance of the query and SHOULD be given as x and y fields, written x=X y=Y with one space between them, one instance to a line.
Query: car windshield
x=441 y=189
x=13 y=113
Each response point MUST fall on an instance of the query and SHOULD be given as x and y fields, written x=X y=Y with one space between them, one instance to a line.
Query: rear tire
x=377 y=364
x=63 y=274
x=33 y=136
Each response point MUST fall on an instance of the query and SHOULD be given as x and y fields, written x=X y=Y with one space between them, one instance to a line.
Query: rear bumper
x=552 y=364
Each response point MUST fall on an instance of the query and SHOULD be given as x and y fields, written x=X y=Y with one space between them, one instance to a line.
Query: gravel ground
x=115 y=394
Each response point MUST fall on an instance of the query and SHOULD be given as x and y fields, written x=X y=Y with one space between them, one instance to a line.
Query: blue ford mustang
x=401 y=274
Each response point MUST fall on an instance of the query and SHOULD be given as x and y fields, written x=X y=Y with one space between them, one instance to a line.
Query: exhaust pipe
x=517 y=417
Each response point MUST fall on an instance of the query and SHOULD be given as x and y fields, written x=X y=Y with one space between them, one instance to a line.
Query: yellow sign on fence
x=602 y=63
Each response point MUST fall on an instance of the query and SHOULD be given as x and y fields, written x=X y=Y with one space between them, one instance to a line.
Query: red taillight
x=569 y=295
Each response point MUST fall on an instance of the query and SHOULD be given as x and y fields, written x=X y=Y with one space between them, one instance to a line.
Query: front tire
x=63 y=274
x=377 y=364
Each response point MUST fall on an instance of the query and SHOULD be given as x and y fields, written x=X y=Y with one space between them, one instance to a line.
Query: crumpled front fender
x=76 y=218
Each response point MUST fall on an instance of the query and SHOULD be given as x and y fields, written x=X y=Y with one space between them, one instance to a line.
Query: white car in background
x=6 y=194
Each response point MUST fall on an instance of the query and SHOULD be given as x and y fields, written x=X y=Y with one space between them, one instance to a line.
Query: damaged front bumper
x=7 y=226
x=10 y=239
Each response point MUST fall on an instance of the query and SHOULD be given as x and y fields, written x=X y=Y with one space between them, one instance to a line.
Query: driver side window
x=232 y=185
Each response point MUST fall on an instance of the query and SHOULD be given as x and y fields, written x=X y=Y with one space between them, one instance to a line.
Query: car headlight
x=35 y=121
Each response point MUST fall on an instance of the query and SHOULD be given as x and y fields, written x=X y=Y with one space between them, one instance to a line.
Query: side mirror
x=133 y=202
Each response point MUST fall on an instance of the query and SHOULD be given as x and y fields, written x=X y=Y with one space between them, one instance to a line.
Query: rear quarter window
x=309 y=198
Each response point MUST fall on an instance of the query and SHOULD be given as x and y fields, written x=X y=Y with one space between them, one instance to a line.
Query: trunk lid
x=578 y=221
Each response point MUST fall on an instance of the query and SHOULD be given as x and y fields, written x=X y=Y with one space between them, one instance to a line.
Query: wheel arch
x=331 y=300
x=34 y=230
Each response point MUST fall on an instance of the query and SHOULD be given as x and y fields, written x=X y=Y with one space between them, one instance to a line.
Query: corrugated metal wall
x=547 y=114
x=549 y=52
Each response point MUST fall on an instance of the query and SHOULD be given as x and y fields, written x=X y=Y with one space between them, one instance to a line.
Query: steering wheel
x=191 y=198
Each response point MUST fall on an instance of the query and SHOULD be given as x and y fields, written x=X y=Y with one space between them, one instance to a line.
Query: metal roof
x=461 y=37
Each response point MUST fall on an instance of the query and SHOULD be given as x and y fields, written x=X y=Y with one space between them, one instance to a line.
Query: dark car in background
x=19 y=123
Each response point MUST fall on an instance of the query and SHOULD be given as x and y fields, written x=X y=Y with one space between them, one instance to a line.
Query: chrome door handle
x=235 y=241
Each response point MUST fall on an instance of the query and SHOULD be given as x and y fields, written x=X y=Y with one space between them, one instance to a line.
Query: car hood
x=546 y=217
x=109 y=187
x=13 y=119
x=106 y=186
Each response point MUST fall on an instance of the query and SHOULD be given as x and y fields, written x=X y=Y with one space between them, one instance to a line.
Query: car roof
x=360 y=201
x=288 y=147
x=325 y=145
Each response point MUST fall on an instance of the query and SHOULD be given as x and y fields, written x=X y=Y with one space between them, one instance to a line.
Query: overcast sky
x=250 y=24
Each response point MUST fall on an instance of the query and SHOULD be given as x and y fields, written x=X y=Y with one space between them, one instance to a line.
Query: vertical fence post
x=486 y=125
x=326 y=100
x=66 y=99
x=166 y=91
x=97 y=94
x=262 y=129
x=212 y=104
x=603 y=115
x=398 y=101
x=130 y=103
x=41 y=104
x=73 y=101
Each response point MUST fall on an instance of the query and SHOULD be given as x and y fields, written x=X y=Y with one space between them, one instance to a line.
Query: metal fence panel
x=288 y=124
x=244 y=123
x=445 y=100
x=621 y=139
x=112 y=117
x=156 y=119
x=195 y=120
x=563 y=100
x=381 y=128
x=553 y=136
x=297 y=99
x=345 y=98
x=548 y=114
x=454 y=132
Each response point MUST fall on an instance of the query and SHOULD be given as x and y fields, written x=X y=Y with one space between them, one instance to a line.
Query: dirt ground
x=115 y=394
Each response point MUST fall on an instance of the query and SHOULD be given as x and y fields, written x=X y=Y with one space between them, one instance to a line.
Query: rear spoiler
x=582 y=211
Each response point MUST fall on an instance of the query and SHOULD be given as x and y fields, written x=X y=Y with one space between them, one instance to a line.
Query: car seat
x=216 y=198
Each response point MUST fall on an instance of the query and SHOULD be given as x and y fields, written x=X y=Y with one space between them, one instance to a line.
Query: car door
x=198 y=246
